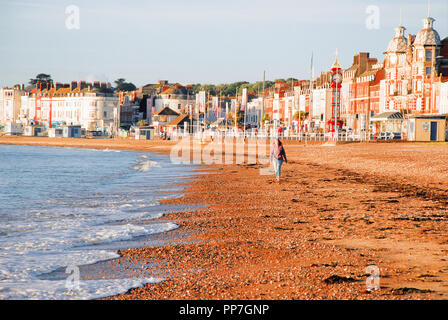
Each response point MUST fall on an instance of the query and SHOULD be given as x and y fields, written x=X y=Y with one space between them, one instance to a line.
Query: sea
x=61 y=208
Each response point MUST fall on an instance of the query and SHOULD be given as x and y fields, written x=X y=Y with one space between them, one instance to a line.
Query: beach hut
x=55 y=133
x=33 y=130
x=427 y=128
x=12 y=128
x=143 y=133
x=71 y=131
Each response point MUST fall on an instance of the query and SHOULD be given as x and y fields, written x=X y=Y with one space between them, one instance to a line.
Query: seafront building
x=10 y=102
x=176 y=97
x=93 y=106
x=412 y=69
x=412 y=80
x=130 y=110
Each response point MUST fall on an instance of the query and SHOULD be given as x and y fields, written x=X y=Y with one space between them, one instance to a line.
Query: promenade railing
x=305 y=136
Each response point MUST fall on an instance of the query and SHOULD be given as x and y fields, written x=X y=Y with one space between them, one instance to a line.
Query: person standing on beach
x=278 y=155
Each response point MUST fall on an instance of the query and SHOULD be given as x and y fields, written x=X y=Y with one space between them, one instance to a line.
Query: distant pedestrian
x=278 y=155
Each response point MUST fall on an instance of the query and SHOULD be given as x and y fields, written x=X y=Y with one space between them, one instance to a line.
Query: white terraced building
x=10 y=104
x=92 y=108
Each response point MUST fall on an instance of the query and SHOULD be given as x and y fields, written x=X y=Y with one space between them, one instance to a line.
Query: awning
x=387 y=116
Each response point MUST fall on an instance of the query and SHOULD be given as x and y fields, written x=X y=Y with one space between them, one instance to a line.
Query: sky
x=197 y=41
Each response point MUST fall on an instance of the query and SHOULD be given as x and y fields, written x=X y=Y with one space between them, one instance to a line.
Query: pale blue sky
x=195 y=41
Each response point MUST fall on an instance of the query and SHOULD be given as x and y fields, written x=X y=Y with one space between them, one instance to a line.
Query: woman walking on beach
x=278 y=155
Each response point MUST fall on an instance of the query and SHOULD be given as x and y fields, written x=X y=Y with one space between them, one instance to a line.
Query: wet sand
x=338 y=210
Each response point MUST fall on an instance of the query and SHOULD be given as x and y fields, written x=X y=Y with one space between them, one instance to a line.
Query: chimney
x=73 y=85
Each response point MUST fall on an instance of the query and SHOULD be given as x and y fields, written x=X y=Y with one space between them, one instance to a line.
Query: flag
x=244 y=100
x=296 y=96
x=215 y=105
x=233 y=105
x=202 y=101
x=196 y=105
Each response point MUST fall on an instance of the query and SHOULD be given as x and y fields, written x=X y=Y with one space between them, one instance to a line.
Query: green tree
x=122 y=85
x=300 y=116
x=239 y=117
x=289 y=80
x=42 y=78
x=265 y=117
x=230 y=89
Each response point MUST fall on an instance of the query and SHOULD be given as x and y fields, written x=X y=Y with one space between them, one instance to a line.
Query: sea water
x=64 y=207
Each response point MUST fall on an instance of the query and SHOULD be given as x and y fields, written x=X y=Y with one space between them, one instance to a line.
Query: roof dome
x=399 y=42
x=427 y=36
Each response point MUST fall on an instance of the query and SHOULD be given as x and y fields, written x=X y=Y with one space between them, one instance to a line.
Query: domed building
x=399 y=43
x=412 y=66
x=427 y=36
x=397 y=69
x=426 y=49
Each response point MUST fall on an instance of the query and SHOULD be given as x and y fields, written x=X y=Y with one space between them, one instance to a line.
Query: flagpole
x=245 y=112
x=236 y=110
x=262 y=101
x=311 y=94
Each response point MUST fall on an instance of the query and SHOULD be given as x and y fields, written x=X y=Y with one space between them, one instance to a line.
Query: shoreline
x=338 y=210
x=105 y=269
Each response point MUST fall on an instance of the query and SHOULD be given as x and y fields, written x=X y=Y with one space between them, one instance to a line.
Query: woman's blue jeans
x=278 y=167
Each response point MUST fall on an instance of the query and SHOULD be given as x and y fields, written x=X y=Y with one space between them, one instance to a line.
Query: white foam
x=123 y=232
x=86 y=204
x=145 y=165
x=57 y=289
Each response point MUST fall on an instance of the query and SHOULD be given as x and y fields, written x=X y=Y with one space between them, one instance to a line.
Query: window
x=105 y=114
x=419 y=86
x=391 y=105
x=418 y=104
x=428 y=71
x=392 y=89
x=393 y=59
x=420 y=54
x=428 y=55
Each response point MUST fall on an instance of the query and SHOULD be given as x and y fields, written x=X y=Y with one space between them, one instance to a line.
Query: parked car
x=385 y=136
x=91 y=134
x=390 y=136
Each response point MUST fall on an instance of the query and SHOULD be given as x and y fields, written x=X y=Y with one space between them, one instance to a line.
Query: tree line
x=230 y=89
x=224 y=89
